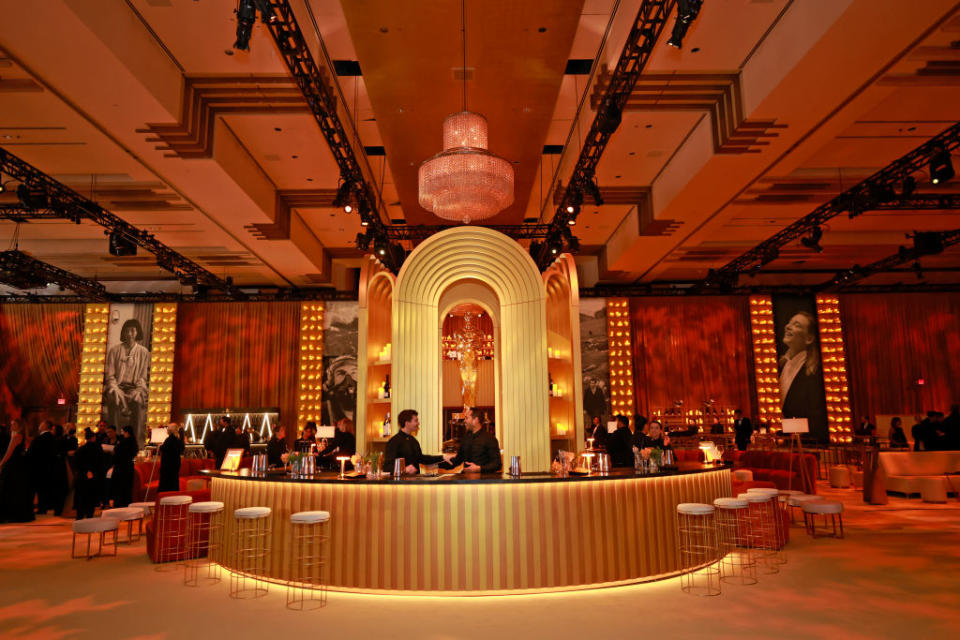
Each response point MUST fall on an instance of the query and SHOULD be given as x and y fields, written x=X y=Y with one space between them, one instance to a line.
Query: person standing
x=742 y=430
x=344 y=444
x=404 y=445
x=42 y=458
x=125 y=379
x=897 y=437
x=89 y=478
x=218 y=440
x=479 y=449
x=170 y=452
x=621 y=442
x=123 y=457
x=277 y=446
x=16 y=488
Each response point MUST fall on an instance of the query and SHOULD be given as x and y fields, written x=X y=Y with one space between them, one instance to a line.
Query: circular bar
x=475 y=535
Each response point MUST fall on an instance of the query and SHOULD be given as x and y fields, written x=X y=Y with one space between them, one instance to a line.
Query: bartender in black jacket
x=277 y=446
x=479 y=449
x=620 y=444
x=404 y=445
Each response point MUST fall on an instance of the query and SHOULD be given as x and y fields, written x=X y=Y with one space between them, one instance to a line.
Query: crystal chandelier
x=465 y=181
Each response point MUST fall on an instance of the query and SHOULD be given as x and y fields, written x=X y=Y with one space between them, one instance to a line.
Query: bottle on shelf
x=386 y=387
x=385 y=427
x=550 y=384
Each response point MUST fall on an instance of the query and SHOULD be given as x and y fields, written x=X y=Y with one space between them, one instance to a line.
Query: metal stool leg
x=307 y=586
x=171 y=536
x=203 y=545
x=250 y=557
x=697 y=536
x=737 y=564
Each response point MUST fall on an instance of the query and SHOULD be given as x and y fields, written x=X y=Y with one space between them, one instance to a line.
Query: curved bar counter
x=480 y=534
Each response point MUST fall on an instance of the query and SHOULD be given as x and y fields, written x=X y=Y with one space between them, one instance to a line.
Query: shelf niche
x=563 y=356
x=375 y=321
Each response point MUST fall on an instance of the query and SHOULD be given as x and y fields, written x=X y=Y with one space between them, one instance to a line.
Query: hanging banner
x=594 y=348
x=126 y=376
x=799 y=362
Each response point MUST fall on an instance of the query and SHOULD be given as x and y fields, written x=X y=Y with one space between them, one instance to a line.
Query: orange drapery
x=237 y=355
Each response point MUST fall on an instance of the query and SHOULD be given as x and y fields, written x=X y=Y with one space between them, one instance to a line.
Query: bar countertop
x=683 y=468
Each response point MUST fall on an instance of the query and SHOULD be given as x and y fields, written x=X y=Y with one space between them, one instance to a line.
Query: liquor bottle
x=386 y=387
x=550 y=384
x=385 y=428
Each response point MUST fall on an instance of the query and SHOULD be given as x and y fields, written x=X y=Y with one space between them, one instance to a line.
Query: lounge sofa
x=903 y=471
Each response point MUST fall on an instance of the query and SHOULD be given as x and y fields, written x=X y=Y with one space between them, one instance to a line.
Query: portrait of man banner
x=126 y=384
x=799 y=363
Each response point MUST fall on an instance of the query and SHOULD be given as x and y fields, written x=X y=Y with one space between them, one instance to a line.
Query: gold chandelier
x=465 y=181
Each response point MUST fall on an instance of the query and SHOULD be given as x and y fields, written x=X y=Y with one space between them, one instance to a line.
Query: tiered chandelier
x=465 y=181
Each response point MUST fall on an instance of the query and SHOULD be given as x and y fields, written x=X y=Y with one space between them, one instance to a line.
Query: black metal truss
x=846 y=278
x=664 y=289
x=649 y=23
x=323 y=105
x=878 y=190
x=421 y=232
x=278 y=295
x=71 y=205
x=921 y=202
x=18 y=268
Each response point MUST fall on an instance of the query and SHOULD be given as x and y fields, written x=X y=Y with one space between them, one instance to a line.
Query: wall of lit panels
x=620 y=355
x=834 y=369
x=765 y=360
x=161 y=364
x=309 y=400
x=92 y=360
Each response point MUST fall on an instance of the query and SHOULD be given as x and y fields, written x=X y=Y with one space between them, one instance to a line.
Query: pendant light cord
x=463 y=30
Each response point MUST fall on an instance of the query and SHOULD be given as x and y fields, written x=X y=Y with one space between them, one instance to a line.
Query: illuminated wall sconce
x=620 y=355
x=309 y=400
x=765 y=361
x=834 y=369
x=159 y=402
x=92 y=361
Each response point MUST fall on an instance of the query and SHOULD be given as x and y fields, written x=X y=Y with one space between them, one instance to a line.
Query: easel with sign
x=794 y=427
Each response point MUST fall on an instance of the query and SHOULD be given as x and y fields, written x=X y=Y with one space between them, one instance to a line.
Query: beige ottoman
x=743 y=475
x=839 y=477
x=933 y=489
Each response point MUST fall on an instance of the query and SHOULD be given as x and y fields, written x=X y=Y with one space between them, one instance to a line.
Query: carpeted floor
x=896 y=575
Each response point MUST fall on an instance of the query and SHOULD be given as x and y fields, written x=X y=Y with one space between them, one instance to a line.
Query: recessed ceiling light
x=649 y=126
x=277 y=129
x=542 y=29
x=294 y=156
x=384 y=30
x=695 y=49
x=309 y=179
x=632 y=153
x=229 y=52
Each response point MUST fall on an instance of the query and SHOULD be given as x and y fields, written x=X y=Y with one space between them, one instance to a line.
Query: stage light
x=571 y=221
x=573 y=245
x=687 y=11
x=342 y=199
x=812 y=241
x=909 y=185
x=941 y=166
x=927 y=243
x=246 y=15
x=363 y=242
x=31 y=198
x=918 y=270
x=608 y=120
x=571 y=208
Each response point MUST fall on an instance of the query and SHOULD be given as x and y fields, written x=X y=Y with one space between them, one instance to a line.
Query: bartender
x=404 y=445
x=308 y=440
x=479 y=449
x=277 y=446
x=620 y=444
x=655 y=437
x=344 y=443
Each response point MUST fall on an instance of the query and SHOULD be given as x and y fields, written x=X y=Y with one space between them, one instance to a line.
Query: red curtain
x=894 y=340
x=39 y=356
x=692 y=349
x=237 y=355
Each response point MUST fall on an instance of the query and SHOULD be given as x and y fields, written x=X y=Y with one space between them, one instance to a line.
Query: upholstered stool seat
x=205 y=507
x=839 y=477
x=832 y=508
x=174 y=501
x=309 y=517
x=730 y=503
x=146 y=506
x=102 y=527
x=698 y=548
x=933 y=489
x=742 y=475
x=252 y=513
x=801 y=499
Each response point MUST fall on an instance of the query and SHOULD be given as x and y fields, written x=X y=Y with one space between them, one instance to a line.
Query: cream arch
x=435 y=268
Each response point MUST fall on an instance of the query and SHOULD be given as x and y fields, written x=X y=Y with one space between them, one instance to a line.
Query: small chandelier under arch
x=465 y=181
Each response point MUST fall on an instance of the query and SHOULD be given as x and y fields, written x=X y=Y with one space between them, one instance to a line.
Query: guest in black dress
x=897 y=436
x=123 y=456
x=170 y=452
x=89 y=478
x=16 y=487
x=42 y=459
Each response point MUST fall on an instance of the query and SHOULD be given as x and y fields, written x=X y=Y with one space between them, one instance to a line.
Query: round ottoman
x=839 y=477
x=90 y=527
x=825 y=508
x=742 y=475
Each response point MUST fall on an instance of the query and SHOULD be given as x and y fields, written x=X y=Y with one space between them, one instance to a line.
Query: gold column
x=834 y=369
x=309 y=399
x=620 y=354
x=92 y=361
x=164 y=337
x=765 y=361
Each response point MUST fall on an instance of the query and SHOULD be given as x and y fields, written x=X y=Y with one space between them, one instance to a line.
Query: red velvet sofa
x=775 y=467
x=189 y=468
x=153 y=547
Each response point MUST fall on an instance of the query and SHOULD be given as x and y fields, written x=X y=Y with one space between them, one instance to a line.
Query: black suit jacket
x=620 y=447
x=403 y=445
x=742 y=430
x=480 y=448
x=805 y=399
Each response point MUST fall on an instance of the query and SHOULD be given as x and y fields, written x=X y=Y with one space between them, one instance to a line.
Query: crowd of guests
x=640 y=434
x=935 y=432
x=40 y=463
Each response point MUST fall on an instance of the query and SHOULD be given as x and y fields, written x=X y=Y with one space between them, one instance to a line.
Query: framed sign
x=796 y=425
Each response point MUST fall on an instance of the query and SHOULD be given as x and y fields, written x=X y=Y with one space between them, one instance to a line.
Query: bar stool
x=697 y=538
x=839 y=477
x=308 y=559
x=797 y=502
x=90 y=526
x=742 y=475
x=832 y=508
x=737 y=563
x=130 y=515
x=252 y=542
x=780 y=557
x=762 y=532
x=785 y=500
x=171 y=530
x=204 y=536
